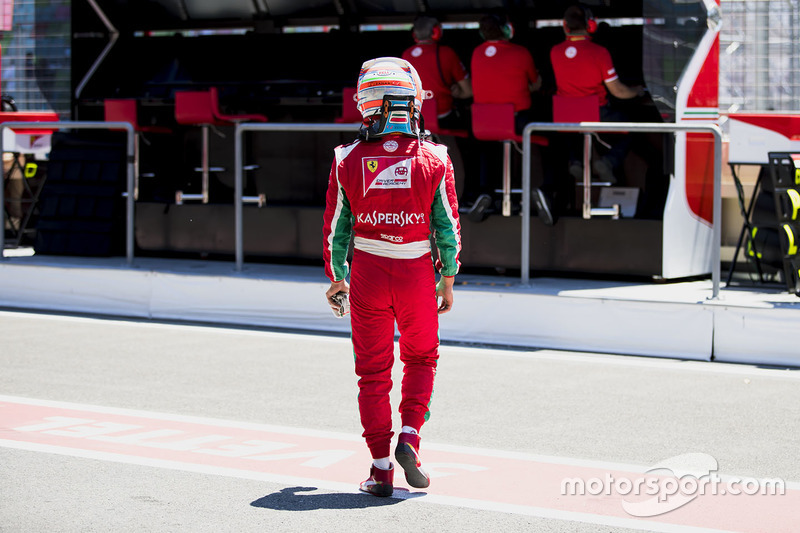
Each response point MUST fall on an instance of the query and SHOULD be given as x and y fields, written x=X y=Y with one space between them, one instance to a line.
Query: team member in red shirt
x=391 y=191
x=583 y=68
x=503 y=72
x=443 y=73
x=440 y=70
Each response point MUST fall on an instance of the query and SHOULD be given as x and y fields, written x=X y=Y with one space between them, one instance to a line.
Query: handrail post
x=525 y=246
x=587 y=176
x=716 y=258
x=130 y=204
x=237 y=197
x=2 y=199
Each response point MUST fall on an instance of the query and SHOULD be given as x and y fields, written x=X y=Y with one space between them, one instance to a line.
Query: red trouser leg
x=383 y=290
x=372 y=321
x=418 y=324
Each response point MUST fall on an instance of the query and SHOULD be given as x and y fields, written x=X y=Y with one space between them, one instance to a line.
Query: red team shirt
x=582 y=68
x=501 y=73
x=439 y=76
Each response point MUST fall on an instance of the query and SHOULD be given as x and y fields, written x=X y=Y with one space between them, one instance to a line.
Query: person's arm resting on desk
x=622 y=91
x=462 y=89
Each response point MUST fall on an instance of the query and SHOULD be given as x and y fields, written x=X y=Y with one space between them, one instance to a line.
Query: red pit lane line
x=484 y=479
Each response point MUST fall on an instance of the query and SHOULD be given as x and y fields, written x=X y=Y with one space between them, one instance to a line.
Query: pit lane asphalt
x=588 y=406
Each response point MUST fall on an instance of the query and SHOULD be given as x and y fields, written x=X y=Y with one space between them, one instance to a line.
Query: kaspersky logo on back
x=390 y=219
x=386 y=172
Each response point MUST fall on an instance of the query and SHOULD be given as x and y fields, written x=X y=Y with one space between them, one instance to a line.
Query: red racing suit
x=390 y=195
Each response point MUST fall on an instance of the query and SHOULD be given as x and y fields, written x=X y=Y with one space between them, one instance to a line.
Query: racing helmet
x=390 y=87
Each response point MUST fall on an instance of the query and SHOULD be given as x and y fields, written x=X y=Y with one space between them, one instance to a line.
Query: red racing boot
x=407 y=455
x=379 y=482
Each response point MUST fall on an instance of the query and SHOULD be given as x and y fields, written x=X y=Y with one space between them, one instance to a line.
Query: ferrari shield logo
x=372 y=165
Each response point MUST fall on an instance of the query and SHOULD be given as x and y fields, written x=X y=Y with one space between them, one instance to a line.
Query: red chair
x=127 y=110
x=495 y=122
x=350 y=113
x=201 y=108
x=569 y=109
x=431 y=117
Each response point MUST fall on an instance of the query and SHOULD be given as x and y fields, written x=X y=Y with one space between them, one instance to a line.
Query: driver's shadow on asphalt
x=293 y=499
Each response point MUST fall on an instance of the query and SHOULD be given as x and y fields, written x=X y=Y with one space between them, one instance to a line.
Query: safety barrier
x=600 y=127
x=129 y=200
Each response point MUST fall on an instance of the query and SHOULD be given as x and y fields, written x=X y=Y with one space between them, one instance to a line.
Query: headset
x=591 y=23
x=505 y=27
x=508 y=30
x=436 y=32
x=436 y=36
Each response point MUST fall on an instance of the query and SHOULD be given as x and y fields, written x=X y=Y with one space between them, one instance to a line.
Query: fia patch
x=386 y=172
x=390 y=146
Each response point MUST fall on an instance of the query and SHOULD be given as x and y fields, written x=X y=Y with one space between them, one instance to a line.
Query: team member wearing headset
x=502 y=72
x=584 y=68
x=443 y=73
x=440 y=70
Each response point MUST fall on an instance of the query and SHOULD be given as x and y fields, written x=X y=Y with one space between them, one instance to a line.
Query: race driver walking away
x=390 y=190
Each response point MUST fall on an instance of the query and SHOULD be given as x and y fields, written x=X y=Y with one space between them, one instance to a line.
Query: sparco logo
x=393 y=238
x=395 y=219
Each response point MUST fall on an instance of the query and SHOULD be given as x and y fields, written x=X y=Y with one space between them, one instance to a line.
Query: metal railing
x=241 y=128
x=129 y=200
x=601 y=127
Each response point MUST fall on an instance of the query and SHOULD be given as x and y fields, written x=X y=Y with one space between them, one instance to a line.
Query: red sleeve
x=452 y=67
x=337 y=224
x=606 y=65
x=530 y=67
